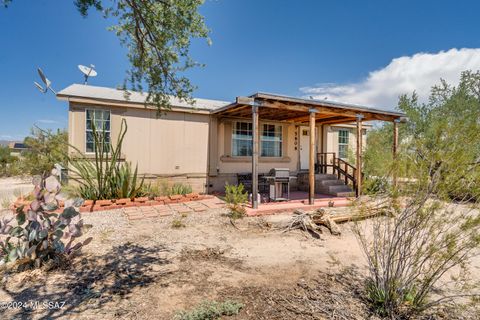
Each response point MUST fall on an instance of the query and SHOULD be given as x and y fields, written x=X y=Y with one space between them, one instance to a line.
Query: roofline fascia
x=126 y=104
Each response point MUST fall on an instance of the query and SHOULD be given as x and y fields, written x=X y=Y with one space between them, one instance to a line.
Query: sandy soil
x=148 y=270
x=10 y=188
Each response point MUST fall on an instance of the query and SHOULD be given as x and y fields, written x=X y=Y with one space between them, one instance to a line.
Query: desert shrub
x=162 y=188
x=155 y=189
x=40 y=235
x=375 y=185
x=7 y=162
x=425 y=234
x=211 y=310
x=45 y=149
x=107 y=176
x=178 y=223
x=179 y=188
x=236 y=197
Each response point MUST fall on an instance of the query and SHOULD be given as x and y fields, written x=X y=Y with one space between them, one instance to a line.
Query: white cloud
x=402 y=75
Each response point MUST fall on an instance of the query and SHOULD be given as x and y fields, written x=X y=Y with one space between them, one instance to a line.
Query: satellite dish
x=87 y=71
x=39 y=87
x=45 y=81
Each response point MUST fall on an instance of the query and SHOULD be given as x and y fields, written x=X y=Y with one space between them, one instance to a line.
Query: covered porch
x=312 y=114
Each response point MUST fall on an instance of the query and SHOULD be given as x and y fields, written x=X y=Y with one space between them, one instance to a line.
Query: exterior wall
x=173 y=146
x=195 y=148
x=331 y=137
x=224 y=167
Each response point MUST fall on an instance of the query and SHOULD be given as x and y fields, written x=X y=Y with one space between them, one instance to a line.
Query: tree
x=431 y=226
x=5 y=160
x=157 y=34
x=45 y=149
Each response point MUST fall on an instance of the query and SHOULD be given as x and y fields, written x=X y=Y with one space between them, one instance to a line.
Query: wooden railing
x=344 y=170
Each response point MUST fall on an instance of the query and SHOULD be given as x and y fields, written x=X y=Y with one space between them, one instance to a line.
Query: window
x=242 y=139
x=271 y=140
x=101 y=120
x=343 y=143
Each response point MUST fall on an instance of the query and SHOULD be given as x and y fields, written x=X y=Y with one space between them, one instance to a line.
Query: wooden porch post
x=311 y=162
x=359 y=155
x=254 y=156
x=395 y=150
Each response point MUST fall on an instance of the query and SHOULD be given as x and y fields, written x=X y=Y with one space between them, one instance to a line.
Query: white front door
x=304 y=147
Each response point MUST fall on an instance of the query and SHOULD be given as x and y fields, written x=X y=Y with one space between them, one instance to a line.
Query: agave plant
x=40 y=234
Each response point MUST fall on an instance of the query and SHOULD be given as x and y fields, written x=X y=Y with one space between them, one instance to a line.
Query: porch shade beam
x=311 y=159
x=254 y=156
x=359 y=156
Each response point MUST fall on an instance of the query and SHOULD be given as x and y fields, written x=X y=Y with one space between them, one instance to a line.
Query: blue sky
x=365 y=52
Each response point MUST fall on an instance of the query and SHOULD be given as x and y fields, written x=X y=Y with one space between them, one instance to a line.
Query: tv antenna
x=87 y=71
x=45 y=80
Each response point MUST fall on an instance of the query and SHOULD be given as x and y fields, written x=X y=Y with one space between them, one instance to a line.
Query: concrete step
x=344 y=194
x=336 y=188
x=332 y=182
x=325 y=176
x=333 y=189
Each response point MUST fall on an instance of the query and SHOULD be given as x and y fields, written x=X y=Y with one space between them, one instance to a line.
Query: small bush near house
x=179 y=188
x=41 y=236
x=236 y=197
x=211 y=310
x=161 y=188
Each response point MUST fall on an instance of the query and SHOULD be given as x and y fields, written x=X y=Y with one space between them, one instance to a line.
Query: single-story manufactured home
x=213 y=142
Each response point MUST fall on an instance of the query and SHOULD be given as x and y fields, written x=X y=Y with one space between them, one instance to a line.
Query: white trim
x=260 y=138
x=85 y=131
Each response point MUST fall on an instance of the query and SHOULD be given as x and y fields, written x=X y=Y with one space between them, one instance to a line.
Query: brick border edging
x=101 y=205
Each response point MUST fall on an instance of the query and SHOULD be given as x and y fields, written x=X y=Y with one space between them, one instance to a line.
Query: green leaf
x=50 y=206
x=58 y=233
x=69 y=213
x=33 y=235
x=12 y=255
x=20 y=218
x=42 y=234
x=16 y=231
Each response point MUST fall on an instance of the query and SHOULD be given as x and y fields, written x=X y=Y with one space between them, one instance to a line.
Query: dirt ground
x=10 y=188
x=147 y=269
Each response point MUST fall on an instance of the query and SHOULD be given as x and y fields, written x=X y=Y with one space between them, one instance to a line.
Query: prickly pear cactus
x=41 y=234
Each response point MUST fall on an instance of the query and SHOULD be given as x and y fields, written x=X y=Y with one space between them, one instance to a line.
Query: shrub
x=106 y=177
x=236 y=197
x=179 y=188
x=375 y=185
x=211 y=310
x=45 y=149
x=428 y=235
x=161 y=188
x=178 y=223
x=6 y=161
x=40 y=235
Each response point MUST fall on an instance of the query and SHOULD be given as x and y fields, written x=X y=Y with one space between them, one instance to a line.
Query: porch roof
x=283 y=108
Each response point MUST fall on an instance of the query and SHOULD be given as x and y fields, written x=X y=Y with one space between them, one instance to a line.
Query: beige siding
x=173 y=146
x=194 y=148
x=331 y=137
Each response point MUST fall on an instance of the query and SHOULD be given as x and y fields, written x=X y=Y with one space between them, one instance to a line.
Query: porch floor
x=298 y=200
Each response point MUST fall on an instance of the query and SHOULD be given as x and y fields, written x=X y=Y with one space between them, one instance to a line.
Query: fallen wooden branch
x=303 y=220
x=311 y=221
